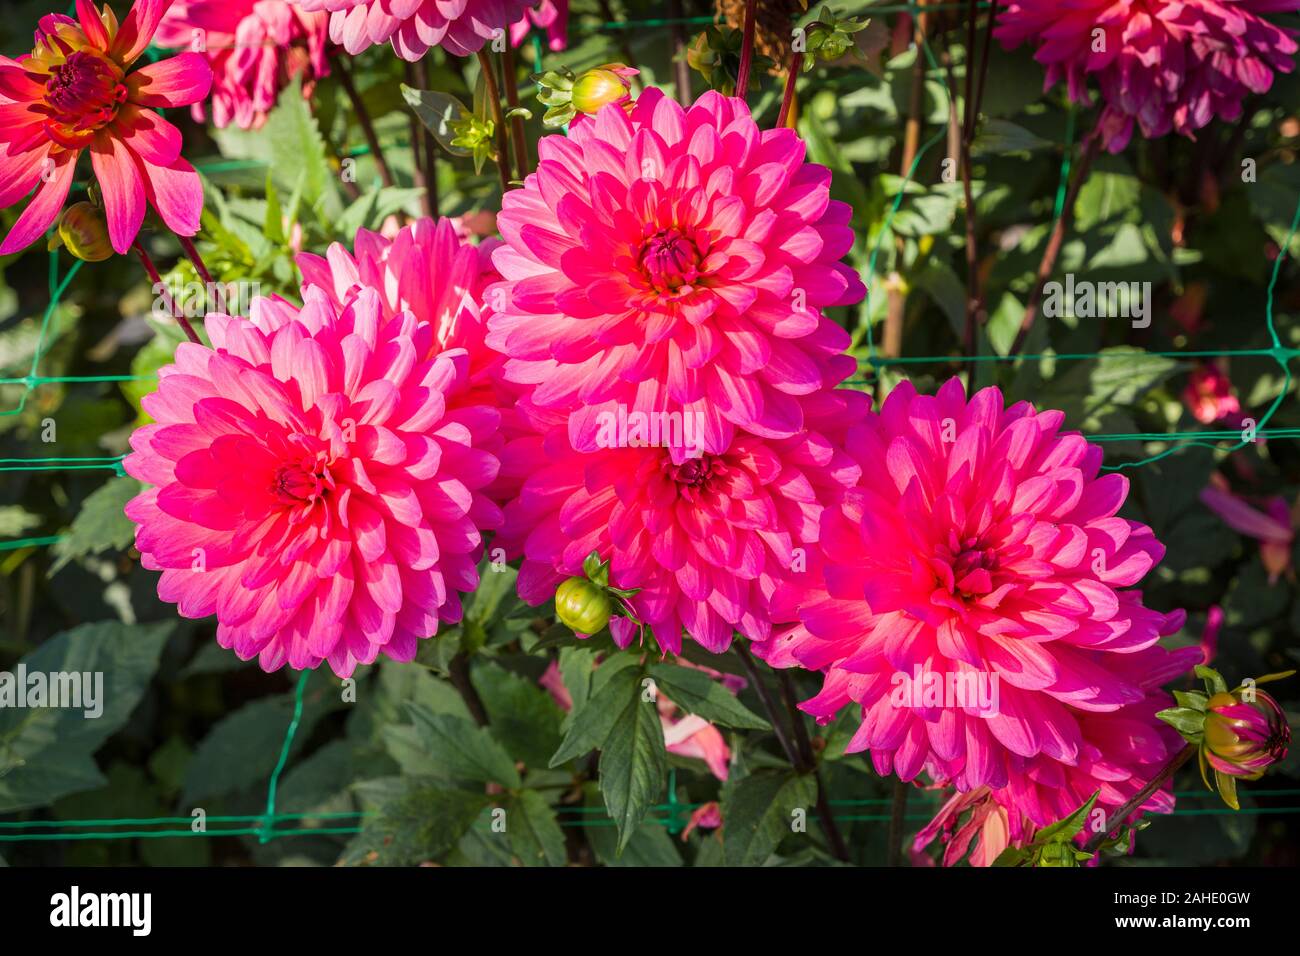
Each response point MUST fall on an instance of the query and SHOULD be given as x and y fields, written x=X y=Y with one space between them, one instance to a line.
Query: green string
x=265 y=835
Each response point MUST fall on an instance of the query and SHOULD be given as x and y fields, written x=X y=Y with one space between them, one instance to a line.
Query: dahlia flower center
x=691 y=473
x=973 y=567
x=85 y=91
x=669 y=260
x=303 y=481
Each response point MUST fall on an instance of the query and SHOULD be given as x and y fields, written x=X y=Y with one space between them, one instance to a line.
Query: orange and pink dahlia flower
x=79 y=90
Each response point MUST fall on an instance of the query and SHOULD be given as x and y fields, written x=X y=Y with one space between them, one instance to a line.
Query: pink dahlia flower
x=673 y=259
x=1209 y=396
x=255 y=47
x=707 y=539
x=1166 y=65
x=461 y=27
x=77 y=90
x=429 y=270
x=311 y=485
x=1272 y=525
x=973 y=607
x=549 y=15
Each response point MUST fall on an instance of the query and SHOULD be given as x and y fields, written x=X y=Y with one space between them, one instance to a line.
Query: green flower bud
x=84 y=232
x=600 y=86
x=583 y=605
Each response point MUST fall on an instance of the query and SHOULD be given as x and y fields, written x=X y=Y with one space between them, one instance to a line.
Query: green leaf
x=535 y=836
x=522 y=715
x=456 y=749
x=697 y=693
x=101 y=525
x=576 y=668
x=47 y=752
x=242 y=749
x=758 y=812
x=651 y=844
x=1214 y=682
x=1191 y=699
x=414 y=821
x=437 y=111
x=591 y=724
x=298 y=150
x=999 y=136
x=633 y=764
x=1186 y=720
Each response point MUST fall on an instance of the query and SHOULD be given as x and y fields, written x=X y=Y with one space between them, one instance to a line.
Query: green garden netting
x=672 y=814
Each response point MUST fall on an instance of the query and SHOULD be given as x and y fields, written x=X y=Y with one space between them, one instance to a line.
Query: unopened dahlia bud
x=583 y=605
x=84 y=231
x=597 y=87
x=1244 y=737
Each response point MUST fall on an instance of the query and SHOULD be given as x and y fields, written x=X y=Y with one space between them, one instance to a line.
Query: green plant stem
x=458 y=670
x=193 y=253
x=363 y=119
x=498 y=118
x=809 y=764
x=510 y=79
x=1116 y=819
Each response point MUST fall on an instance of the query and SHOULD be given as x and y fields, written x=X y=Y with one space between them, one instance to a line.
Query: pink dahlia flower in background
x=1166 y=65
x=255 y=47
x=311 y=484
x=674 y=259
x=77 y=90
x=981 y=547
x=1209 y=396
x=461 y=27
x=707 y=539
x=549 y=15
x=1272 y=524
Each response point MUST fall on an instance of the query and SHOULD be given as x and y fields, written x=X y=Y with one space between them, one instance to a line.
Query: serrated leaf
x=535 y=837
x=758 y=810
x=412 y=821
x=101 y=525
x=633 y=765
x=697 y=693
x=591 y=725
x=523 y=717
x=48 y=752
x=456 y=749
x=298 y=151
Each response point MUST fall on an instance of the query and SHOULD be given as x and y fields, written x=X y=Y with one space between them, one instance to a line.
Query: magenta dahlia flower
x=311 y=485
x=77 y=90
x=706 y=538
x=972 y=601
x=549 y=15
x=674 y=259
x=461 y=27
x=255 y=48
x=1166 y=65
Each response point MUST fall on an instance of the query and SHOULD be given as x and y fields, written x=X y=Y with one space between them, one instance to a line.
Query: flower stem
x=746 y=49
x=509 y=77
x=494 y=100
x=213 y=287
x=160 y=288
x=809 y=761
x=363 y=118
x=681 y=69
x=458 y=670
x=897 y=817
x=1154 y=784
x=769 y=705
x=423 y=144
x=1055 y=241
x=787 y=99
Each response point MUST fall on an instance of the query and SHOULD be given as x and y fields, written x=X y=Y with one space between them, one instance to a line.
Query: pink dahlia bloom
x=77 y=90
x=311 y=484
x=461 y=27
x=255 y=48
x=1271 y=523
x=428 y=269
x=982 y=552
x=1209 y=396
x=687 y=735
x=549 y=15
x=1166 y=65
x=674 y=259
x=707 y=539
